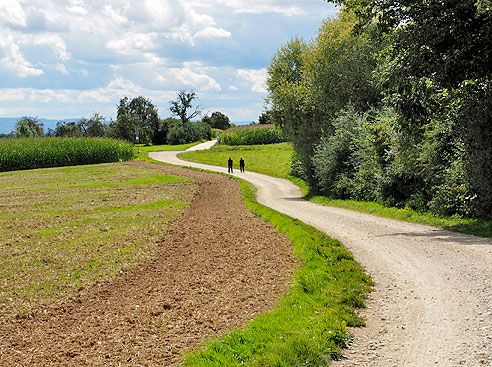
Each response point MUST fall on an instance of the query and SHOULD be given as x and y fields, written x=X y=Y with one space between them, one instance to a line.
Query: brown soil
x=217 y=268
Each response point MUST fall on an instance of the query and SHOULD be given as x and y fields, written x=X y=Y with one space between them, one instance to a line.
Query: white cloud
x=11 y=57
x=192 y=79
x=233 y=87
x=212 y=32
x=132 y=42
x=62 y=69
x=48 y=96
x=12 y=95
x=11 y=12
x=256 y=77
x=54 y=41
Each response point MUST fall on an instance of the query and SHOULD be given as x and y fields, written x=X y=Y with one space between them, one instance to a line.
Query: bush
x=29 y=153
x=189 y=132
x=252 y=136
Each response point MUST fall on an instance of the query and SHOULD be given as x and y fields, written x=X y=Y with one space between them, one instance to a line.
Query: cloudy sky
x=70 y=58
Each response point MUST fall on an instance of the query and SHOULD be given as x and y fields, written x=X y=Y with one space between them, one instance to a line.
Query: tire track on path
x=432 y=305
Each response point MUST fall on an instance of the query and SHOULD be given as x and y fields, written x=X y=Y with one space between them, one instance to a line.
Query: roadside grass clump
x=30 y=153
x=309 y=325
x=252 y=136
x=61 y=229
x=275 y=160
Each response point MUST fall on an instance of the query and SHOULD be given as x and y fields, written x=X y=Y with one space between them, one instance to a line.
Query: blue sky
x=70 y=58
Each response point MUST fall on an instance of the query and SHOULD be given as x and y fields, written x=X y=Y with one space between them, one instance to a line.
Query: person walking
x=241 y=165
x=229 y=165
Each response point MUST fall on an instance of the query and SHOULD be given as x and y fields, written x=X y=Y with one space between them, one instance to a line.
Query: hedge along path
x=432 y=303
x=218 y=268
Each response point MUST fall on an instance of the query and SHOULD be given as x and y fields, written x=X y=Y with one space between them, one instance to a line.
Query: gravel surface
x=432 y=304
x=219 y=267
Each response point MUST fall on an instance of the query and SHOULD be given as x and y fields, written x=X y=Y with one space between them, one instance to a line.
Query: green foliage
x=309 y=326
x=92 y=127
x=264 y=118
x=28 y=127
x=423 y=65
x=217 y=120
x=252 y=136
x=68 y=129
x=137 y=120
x=21 y=154
x=189 y=132
x=309 y=84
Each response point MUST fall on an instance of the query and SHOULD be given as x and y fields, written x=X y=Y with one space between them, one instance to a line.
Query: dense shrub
x=252 y=136
x=189 y=132
x=19 y=154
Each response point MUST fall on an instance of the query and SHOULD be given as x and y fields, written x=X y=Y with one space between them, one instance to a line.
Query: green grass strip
x=309 y=326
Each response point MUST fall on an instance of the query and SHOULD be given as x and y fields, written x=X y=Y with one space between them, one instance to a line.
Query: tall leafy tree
x=217 y=120
x=66 y=129
x=182 y=106
x=436 y=71
x=93 y=126
x=28 y=127
x=310 y=84
x=138 y=114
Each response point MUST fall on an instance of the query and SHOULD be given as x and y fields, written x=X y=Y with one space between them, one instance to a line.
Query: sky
x=70 y=58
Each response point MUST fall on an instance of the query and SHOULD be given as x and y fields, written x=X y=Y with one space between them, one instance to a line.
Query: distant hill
x=7 y=124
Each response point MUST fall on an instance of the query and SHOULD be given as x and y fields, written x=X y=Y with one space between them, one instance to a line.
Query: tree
x=264 y=118
x=94 y=126
x=217 y=120
x=435 y=69
x=183 y=108
x=28 y=127
x=310 y=84
x=65 y=129
x=138 y=114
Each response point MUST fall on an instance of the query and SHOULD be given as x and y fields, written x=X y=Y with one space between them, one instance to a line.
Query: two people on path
x=230 y=163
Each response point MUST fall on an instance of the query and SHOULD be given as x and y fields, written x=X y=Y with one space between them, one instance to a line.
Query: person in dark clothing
x=229 y=165
x=241 y=165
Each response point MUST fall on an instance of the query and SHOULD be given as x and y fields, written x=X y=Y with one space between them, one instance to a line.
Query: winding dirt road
x=432 y=304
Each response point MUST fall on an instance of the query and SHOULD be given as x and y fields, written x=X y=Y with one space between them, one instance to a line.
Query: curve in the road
x=432 y=305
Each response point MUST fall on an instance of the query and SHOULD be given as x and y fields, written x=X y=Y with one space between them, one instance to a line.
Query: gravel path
x=432 y=304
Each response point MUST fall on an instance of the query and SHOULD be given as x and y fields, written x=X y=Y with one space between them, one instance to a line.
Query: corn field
x=252 y=136
x=29 y=153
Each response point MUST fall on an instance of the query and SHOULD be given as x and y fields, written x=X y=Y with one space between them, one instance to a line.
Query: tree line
x=137 y=121
x=392 y=102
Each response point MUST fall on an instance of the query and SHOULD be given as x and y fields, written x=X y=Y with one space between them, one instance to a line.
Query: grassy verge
x=274 y=160
x=309 y=326
x=63 y=228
